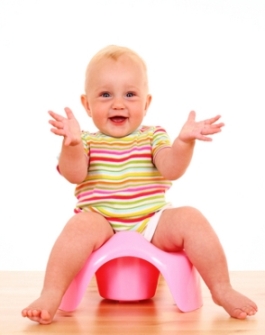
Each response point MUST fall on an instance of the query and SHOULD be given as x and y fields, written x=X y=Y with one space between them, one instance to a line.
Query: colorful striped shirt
x=122 y=182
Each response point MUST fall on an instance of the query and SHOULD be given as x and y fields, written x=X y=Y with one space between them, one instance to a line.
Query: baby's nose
x=118 y=104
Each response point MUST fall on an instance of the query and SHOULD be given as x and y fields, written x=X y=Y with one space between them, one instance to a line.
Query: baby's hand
x=193 y=130
x=66 y=126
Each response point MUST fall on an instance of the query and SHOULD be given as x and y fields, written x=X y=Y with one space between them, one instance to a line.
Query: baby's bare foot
x=41 y=310
x=236 y=304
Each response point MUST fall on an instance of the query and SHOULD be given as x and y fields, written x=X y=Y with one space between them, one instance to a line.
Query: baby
x=122 y=173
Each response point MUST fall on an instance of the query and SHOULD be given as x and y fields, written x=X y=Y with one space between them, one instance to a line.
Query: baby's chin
x=117 y=131
x=115 y=135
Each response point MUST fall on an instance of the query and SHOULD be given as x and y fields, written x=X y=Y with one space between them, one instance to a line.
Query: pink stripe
x=127 y=190
x=120 y=152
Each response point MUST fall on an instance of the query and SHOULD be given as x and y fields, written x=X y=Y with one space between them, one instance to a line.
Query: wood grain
x=157 y=316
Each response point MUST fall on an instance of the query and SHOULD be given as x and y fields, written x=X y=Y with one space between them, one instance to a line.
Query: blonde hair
x=114 y=52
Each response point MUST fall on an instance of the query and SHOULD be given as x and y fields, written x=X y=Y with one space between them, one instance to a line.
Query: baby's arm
x=72 y=162
x=173 y=162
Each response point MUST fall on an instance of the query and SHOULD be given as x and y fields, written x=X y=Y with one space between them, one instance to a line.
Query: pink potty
x=127 y=268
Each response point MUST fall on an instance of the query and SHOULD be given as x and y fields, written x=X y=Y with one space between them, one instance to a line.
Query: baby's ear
x=85 y=104
x=148 y=101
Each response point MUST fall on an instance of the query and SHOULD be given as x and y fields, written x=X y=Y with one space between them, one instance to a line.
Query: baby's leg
x=84 y=233
x=186 y=228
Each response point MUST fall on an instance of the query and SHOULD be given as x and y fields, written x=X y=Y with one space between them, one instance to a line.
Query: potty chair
x=127 y=268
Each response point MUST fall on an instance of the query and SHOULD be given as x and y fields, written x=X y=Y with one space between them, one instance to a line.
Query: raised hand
x=193 y=130
x=66 y=126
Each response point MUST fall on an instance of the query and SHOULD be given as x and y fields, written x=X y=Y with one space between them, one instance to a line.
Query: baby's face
x=117 y=96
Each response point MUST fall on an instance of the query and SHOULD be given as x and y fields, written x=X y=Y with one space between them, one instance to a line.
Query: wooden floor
x=156 y=316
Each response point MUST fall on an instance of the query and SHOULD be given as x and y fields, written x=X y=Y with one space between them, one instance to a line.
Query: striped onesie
x=122 y=182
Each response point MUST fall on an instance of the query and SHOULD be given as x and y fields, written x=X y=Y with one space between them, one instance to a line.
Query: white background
x=204 y=55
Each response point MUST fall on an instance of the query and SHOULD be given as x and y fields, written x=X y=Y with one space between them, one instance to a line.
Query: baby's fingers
x=202 y=137
x=56 y=124
x=62 y=132
x=211 y=131
x=56 y=116
x=213 y=119
x=69 y=113
x=217 y=125
x=57 y=131
x=58 y=128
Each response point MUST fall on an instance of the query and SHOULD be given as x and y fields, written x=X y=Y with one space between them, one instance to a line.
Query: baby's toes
x=45 y=317
x=27 y=312
x=250 y=310
x=24 y=312
x=35 y=313
x=239 y=314
x=242 y=313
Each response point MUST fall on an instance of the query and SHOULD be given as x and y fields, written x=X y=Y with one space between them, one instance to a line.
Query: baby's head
x=115 y=53
x=116 y=88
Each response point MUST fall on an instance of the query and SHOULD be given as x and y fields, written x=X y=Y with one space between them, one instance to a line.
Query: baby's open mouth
x=118 y=118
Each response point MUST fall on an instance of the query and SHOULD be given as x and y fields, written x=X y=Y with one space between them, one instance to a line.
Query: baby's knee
x=187 y=211
x=186 y=215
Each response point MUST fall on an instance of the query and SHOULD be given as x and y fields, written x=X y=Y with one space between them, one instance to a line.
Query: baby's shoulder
x=89 y=135
x=152 y=129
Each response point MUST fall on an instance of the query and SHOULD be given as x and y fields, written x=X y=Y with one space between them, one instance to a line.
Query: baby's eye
x=105 y=94
x=130 y=94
